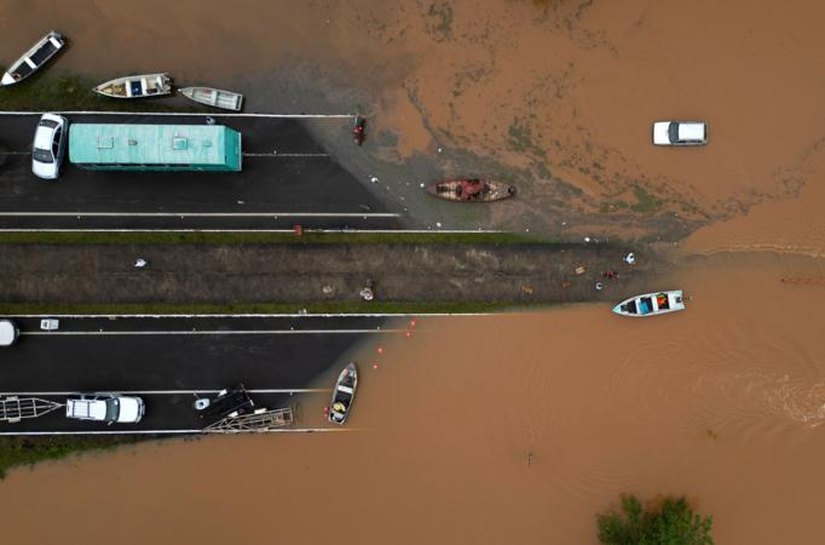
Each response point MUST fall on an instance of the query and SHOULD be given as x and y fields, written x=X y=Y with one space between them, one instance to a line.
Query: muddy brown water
x=517 y=428
x=495 y=429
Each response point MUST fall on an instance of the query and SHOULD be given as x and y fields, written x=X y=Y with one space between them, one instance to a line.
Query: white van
x=106 y=407
x=8 y=332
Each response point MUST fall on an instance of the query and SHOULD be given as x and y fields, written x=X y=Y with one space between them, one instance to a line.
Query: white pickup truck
x=106 y=407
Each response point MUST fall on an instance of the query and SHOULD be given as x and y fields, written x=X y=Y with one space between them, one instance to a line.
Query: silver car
x=680 y=133
x=49 y=146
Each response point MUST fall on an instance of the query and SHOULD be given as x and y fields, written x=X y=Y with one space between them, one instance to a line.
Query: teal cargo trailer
x=110 y=146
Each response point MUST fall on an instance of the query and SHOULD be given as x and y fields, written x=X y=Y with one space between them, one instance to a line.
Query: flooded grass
x=60 y=91
x=19 y=451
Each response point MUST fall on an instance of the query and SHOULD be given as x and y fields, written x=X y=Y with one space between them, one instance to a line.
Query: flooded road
x=517 y=428
x=495 y=429
x=572 y=128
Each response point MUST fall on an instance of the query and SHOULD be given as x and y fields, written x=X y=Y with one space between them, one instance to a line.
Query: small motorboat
x=343 y=395
x=651 y=304
x=472 y=190
x=34 y=58
x=217 y=98
x=141 y=86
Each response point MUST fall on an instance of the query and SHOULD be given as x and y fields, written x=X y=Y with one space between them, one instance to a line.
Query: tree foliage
x=671 y=522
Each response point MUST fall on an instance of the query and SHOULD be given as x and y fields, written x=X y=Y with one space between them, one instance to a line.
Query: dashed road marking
x=82 y=214
x=215 y=332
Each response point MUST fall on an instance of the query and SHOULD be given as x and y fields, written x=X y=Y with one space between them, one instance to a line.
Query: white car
x=106 y=407
x=8 y=333
x=680 y=133
x=49 y=146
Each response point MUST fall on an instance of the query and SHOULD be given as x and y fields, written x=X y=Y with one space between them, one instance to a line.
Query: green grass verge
x=28 y=450
x=50 y=90
x=327 y=307
x=200 y=237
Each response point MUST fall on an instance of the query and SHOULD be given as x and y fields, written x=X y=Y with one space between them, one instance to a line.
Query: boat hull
x=140 y=86
x=32 y=60
x=451 y=190
x=651 y=304
x=216 y=98
x=343 y=395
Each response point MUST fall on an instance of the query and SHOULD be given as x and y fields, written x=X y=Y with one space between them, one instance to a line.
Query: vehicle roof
x=131 y=143
x=43 y=137
x=691 y=131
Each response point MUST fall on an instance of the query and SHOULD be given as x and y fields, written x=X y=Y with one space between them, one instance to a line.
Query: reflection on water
x=504 y=428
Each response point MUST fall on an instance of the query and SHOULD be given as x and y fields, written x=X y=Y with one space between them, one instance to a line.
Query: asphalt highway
x=169 y=361
x=288 y=179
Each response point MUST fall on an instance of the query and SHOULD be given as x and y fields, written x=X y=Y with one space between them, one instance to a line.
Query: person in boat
x=470 y=189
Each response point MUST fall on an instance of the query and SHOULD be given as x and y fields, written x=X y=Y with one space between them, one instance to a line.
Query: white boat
x=217 y=98
x=34 y=58
x=141 y=86
x=343 y=395
x=651 y=304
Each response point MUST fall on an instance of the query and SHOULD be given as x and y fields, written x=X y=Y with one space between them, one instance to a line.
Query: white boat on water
x=217 y=98
x=141 y=86
x=34 y=58
x=343 y=395
x=651 y=304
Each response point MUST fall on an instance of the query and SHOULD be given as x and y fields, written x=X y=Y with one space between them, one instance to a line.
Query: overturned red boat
x=471 y=190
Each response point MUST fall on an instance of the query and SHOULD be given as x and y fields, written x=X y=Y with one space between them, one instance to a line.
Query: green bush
x=670 y=522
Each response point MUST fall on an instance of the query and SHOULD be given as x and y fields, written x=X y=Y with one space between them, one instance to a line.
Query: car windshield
x=43 y=155
x=48 y=123
x=673 y=132
x=112 y=409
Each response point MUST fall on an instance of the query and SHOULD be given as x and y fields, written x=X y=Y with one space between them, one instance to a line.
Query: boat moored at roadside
x=471 y=190
x=140 y=86
x=651 y=304
x=343 y=395
x=217 y=98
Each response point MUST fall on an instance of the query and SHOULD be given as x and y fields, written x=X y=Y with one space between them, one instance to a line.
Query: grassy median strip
x=237 y=237
x=329 y=307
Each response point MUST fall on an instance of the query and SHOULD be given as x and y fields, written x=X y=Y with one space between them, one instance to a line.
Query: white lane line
x=308 y=231
x=276 y=154
x=179 y=432
x=260 y=315
x=178 y=392
x=276 y=215
x=217 y=332
x=190 y=114
x=246 y=154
